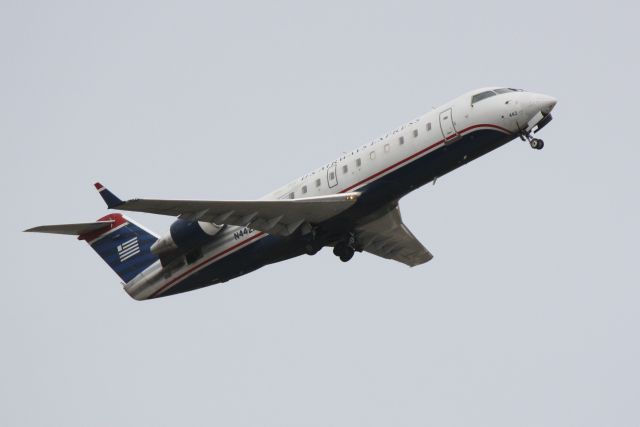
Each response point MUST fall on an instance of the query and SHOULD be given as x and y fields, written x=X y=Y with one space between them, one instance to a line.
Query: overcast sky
x=528 y=315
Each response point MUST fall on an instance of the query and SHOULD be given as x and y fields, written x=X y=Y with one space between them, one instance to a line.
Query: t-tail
x=120 y=242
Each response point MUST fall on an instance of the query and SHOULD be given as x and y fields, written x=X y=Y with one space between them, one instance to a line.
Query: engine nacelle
x=186 y=235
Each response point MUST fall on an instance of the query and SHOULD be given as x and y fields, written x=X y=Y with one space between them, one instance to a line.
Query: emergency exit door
x=332 y=175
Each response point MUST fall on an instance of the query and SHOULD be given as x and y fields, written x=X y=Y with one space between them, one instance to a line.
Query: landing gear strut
x=535 y=143
x=345 y=249
x=311 y=245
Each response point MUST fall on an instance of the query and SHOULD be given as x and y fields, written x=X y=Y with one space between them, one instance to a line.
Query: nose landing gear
x=535 y=143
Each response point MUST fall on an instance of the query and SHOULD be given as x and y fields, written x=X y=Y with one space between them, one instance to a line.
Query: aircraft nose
x=545 y=103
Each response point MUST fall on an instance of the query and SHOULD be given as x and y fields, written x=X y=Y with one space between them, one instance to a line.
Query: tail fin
x=125 y=246
x=120 y=242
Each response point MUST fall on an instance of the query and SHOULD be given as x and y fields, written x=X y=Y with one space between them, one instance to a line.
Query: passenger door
x=447 y=126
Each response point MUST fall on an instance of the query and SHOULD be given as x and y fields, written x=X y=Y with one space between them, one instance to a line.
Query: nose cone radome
x=545 y=103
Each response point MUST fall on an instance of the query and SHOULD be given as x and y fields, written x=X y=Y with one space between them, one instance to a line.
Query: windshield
x=482 y=95
x=489 y=93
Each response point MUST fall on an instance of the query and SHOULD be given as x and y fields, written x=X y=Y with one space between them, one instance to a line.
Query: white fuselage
x=508 y=113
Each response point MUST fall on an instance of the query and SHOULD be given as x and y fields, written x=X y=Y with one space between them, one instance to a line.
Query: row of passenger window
x=345 y=168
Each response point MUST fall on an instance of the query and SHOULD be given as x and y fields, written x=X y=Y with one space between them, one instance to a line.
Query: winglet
x=109 y=198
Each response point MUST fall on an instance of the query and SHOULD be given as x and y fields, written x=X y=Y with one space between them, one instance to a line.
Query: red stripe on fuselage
x=417 y=154
x=371 y=177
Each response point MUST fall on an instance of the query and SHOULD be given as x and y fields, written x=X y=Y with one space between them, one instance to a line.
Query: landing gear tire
x=337 y=250
x=343 y=251
x=310 y=249
x=347 y=255
x=536 y=143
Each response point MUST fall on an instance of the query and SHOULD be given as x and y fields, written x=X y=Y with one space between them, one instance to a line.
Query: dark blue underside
x=127 y=267
x=375 y=195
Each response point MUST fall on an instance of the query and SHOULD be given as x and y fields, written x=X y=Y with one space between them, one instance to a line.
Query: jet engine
x=185 y=236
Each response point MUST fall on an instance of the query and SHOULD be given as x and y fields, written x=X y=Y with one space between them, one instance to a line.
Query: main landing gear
x=311 y=248
x=535 y=143
x=345 y=249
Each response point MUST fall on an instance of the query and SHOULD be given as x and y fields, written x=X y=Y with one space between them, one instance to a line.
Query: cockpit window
x=507 y=90
x=482 y=95
x=488 y=94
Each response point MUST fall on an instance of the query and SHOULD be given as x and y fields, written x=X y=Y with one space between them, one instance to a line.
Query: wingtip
x=109 y=198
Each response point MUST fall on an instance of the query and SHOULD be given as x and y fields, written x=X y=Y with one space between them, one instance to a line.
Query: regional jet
x=349 y=204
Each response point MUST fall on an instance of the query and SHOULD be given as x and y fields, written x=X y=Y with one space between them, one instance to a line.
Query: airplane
x=350 y=204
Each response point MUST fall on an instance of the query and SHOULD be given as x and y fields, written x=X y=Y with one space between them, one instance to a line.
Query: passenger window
x=304 y=189
x=386 y=148
x=345 y=169
x=429 y=126
x=372 y=155
x=358 y=162
x=401 y=140
x=415 y=133
x=291 y=195
x=332 y=176
x=318 y=182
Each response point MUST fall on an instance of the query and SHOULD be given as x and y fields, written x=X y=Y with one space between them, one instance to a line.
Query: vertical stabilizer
x=124 y=245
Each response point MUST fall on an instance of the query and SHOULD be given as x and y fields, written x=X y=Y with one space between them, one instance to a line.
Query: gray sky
x=527 y=316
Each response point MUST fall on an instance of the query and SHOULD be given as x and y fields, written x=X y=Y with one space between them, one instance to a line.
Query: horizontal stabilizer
x=121 y=243
x=71 y=229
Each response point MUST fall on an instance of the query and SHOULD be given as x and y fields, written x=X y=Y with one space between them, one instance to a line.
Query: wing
x=278 y=217
x=388 y=237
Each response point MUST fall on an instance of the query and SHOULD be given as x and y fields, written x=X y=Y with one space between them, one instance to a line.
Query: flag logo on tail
x=128 y=249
